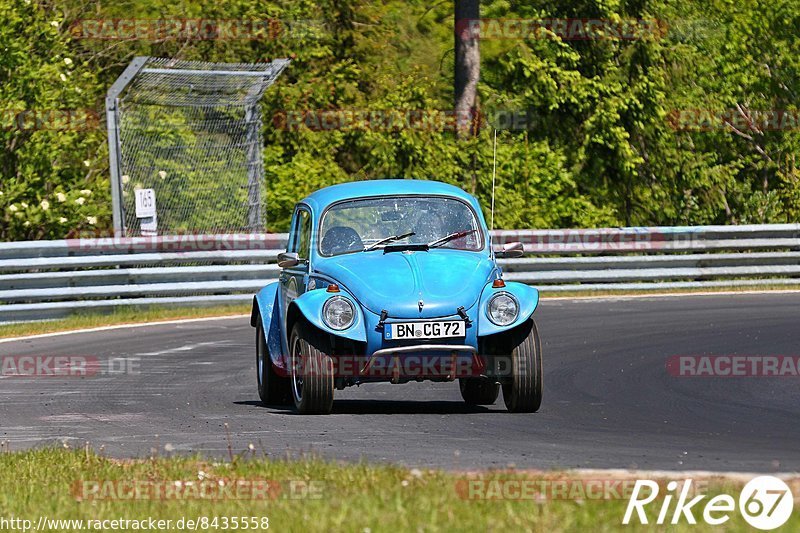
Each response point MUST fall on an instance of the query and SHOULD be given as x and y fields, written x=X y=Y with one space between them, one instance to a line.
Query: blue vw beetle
x=394 y=280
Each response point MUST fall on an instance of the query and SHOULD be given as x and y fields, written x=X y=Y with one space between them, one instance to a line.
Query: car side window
x=303 y=234
x=291 y=246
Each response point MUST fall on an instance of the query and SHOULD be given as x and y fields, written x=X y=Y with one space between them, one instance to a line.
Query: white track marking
x=122 y=326
x=184 y=348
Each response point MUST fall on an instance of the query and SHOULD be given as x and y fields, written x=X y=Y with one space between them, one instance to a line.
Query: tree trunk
x=468 y=65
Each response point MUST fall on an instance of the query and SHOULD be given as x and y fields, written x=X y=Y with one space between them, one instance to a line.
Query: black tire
x=522 y=392
x=311 y=370
x=479 y=391
x=272 y=388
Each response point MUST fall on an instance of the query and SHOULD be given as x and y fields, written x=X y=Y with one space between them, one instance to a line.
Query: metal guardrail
x=44 y=279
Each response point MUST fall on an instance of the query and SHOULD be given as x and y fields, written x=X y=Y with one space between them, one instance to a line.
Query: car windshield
x=356 y=225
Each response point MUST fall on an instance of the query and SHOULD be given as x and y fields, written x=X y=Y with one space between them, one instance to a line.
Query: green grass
x=355 y=497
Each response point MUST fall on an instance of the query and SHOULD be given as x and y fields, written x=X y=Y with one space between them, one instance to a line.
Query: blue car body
x=440 y=283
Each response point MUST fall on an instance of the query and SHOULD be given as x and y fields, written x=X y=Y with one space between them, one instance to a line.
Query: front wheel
x=479 y=391
x=311 y=370
x=522 y=392
x=272 y=388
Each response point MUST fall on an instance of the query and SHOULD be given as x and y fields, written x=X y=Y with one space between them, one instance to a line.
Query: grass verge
x=305 y=495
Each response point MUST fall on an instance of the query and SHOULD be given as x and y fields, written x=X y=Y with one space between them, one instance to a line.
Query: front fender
x=527 y=296
x=310 y=305
x=265 y=307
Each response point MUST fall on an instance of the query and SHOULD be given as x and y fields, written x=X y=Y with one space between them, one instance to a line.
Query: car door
x=293 y=280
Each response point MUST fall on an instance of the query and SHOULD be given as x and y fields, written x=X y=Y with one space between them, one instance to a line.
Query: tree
x=467 y=65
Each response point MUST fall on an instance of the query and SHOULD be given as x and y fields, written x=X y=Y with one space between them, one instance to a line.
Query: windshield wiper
x=389 y=239
x=451 y=237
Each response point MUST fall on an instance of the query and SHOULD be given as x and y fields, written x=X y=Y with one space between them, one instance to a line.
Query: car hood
x=443 y=280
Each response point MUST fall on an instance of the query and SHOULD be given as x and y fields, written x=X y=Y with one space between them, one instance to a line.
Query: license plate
x=425 y=330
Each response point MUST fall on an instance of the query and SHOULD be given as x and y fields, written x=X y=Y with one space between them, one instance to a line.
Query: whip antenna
x=494 y=177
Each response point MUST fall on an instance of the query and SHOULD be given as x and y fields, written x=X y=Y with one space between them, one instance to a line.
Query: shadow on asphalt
x=383 y=407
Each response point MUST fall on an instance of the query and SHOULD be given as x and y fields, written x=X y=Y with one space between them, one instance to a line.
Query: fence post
x=112 y=124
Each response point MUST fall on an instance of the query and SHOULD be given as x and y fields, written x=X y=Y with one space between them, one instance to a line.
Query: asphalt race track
x=609 y=400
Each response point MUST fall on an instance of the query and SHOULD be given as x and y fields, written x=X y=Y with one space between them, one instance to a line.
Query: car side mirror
x=288 y=259
x=511 y=250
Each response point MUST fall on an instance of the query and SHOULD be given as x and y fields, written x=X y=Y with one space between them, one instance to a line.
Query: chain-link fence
x=191 y=131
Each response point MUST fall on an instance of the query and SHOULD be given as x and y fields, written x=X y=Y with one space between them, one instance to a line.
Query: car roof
x=386 y=187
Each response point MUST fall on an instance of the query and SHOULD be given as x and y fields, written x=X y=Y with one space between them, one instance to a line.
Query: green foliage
x=44 y=169
x=597 y=144
x=313 y=495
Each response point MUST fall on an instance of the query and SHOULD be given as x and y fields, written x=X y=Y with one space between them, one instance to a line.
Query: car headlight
x=503 y=309
x=338 y=313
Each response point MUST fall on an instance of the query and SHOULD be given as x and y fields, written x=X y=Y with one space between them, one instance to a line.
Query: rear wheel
x=311 y=370
x=272 y=388
x=479 y=391
x=522 y=392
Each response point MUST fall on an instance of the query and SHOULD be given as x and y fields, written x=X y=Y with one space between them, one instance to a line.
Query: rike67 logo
x=765 y=503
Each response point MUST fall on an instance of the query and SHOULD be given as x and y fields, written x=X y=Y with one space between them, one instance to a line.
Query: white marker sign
x=145 y=203
x=149 y=226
